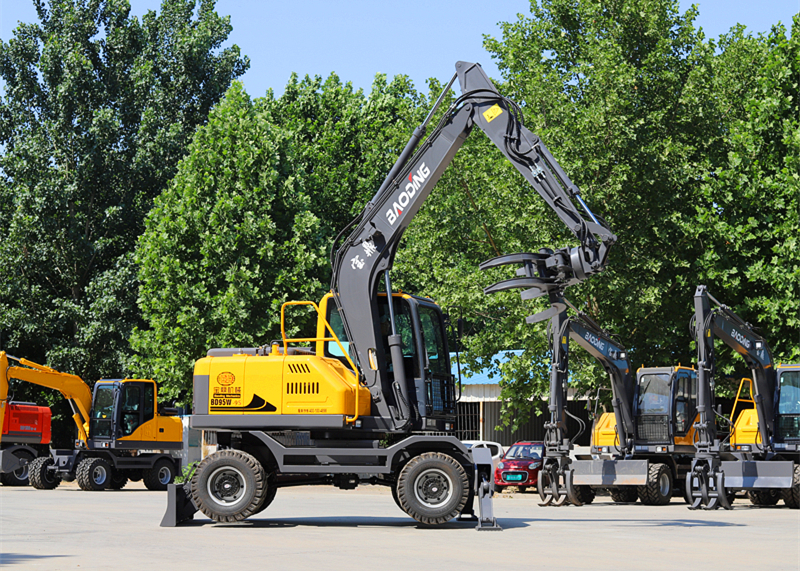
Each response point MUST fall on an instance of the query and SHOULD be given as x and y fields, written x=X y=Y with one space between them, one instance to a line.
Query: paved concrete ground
x=324 y=528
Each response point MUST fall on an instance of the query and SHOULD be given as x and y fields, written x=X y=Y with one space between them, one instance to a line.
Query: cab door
x=137 y=412
x=685 y=407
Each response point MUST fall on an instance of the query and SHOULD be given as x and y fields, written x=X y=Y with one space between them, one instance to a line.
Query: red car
x=520 y=466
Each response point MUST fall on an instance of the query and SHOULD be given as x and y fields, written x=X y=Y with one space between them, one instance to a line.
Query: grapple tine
x=571 y=493
x=547 y=499
x=722 y=493
x=561 y=501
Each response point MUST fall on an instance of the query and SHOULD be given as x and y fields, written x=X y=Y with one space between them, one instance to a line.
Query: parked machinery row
x=122 y=433
x=665 y=435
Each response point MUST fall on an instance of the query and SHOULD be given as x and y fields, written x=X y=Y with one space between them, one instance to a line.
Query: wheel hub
x=226 y=486
x=433 y=488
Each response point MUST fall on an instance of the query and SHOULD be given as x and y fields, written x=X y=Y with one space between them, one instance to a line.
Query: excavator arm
x=560 y=479
x=713 y=472
x=72 y=387
x=723 y=323
x=366 y=255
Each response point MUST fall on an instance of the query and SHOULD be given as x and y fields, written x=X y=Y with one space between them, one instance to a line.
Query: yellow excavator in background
x=122 y=435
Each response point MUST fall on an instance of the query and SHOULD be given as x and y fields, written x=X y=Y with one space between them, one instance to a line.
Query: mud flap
x=180 y=506
x=484 y=488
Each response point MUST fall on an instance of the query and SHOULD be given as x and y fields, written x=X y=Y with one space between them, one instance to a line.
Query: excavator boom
x=367 y=254
x=72 y=387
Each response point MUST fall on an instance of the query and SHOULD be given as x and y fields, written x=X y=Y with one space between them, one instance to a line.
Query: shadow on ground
x=18 y=558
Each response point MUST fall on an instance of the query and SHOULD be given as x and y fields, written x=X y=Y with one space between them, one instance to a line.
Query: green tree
x=248 y=221
x=96 y=111
x=621 y=93
x=749 y=217
x=98 y=108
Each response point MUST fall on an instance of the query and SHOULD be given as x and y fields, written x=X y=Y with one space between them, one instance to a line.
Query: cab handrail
x=287 y=340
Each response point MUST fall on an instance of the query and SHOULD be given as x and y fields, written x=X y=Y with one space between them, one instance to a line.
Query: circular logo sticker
x=226 y=379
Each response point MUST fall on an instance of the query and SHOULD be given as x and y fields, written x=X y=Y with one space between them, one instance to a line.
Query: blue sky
x=420 y=38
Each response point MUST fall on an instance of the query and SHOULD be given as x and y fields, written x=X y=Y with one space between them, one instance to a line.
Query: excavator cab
x=788 y=418
x=426 y=359
x=665 y=409
x=124 y=416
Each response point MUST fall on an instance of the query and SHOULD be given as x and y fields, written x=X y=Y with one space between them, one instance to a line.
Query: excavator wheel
x=624 y=495
x=118 y=480
x=18 y=477
x=41 y=478
x=93 y=474
x=160 y=475
x=393 y=487
x=658 y=490
x=767 y=497
x=791 y=496
x=268 y=497
x=433 y=488
x=584 y=494
x=229 y=486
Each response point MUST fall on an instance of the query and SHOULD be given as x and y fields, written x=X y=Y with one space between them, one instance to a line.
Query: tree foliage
x=96 y=111
x=248 y=221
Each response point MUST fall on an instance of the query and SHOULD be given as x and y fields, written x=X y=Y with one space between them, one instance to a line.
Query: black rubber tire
x=585 y=494
x=161 y=475
x=40 y=477
x=229 y=486
x=118 y=480
x=767 y=497
x=268 y=497
x=135 y=475
x=431 y=474
x=658 y=490
x=18 y=477
x=791 y=496
x=624 y=494
x=93 y=474
x=393 y=487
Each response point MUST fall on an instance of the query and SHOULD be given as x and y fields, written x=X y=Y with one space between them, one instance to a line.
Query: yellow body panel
x=745 y=429
x=688 y=440
x=274 y=384
x=605 y=430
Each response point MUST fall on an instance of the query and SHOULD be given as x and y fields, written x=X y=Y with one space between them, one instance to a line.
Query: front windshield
x=654 y=393
x=103 y=411
x=524 y=451
x=790 y=393
x=104 y=402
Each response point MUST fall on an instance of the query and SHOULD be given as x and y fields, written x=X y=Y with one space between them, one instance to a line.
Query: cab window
x=335 y=321
x=654 y=394
x=149 y=401
x=131 y=408
x=103 y=412
x=685 y=401
x=790 y=393
x=434 y=340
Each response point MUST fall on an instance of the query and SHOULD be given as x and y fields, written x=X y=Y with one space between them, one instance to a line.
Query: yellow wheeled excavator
x=122 y=435
x=371 y=399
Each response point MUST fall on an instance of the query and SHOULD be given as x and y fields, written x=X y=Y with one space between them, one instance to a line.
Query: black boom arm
x=737 y=334
x=367 y=253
